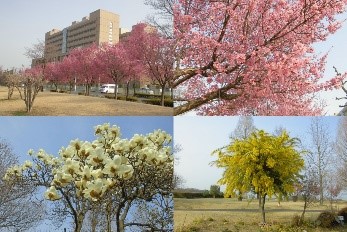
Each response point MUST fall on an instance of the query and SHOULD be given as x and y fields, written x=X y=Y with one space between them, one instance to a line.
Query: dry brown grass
x=56 y=104
x=231 y=215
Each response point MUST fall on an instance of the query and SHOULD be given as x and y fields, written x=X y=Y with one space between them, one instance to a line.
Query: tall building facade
x=99 y=27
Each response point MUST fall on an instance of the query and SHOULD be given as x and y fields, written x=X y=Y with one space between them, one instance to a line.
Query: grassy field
x=56 y=104
x=227 y=215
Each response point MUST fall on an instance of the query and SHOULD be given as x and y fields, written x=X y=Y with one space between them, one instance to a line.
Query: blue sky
x=51 y=133
x=199 y=136
x=22 y=22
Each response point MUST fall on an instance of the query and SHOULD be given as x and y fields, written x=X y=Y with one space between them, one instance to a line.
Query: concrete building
x=99 y=27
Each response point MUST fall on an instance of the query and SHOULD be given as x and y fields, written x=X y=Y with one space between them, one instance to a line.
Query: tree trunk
x=127 y=93
x=321 y=190
x=304 y=211
x=10 y=92
x=28 y=97
x=115 y=91
x=108 y=216
x=162 y=99
x=262 y=207
x=239 y=197
x=79 y=222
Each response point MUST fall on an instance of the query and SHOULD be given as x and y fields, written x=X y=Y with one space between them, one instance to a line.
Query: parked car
x=147 y=90
x=108 y=88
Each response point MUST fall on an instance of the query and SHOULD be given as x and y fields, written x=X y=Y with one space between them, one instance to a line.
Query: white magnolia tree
x=109 y=173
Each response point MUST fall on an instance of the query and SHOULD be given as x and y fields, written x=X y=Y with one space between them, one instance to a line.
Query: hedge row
x=151 y=96
x=190 y=195
x=156 y=101
x=123 y=98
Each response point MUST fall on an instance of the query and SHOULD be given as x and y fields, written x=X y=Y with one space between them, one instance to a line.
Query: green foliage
x=263 y=163
x=156 y=101
x=121 y=97
x=20 y=113
x=190 y=195
x=151 y=96
x=215 y=191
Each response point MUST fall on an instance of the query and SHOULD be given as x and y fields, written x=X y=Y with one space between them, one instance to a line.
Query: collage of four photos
x=173 y=115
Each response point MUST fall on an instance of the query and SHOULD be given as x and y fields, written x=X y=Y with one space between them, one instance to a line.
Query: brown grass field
x=62 y=104
x=227 y=215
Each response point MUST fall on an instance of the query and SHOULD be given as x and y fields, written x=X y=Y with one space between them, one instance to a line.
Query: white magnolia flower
x=76 y=144
x=97 y=173
x=85 y=150
x=46 y=158
x=97 y=156
x=81 y=184
x=68 y=152
x=125 y=172
x=112 y=166
x=52 y=194
x=31 y=152
x=86 y=173
x=62 y=179
x=115 y=131
x=121 y=146
x=94 y=189
x=109 y=183
x=71 y=166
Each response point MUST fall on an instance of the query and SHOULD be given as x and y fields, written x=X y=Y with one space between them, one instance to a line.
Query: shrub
x=132 y=99
x=296 y=221
x=151 y=96
x=326 y=219
x=190 y=195
x=156 y=101
x=343 y=212
x=122 y=98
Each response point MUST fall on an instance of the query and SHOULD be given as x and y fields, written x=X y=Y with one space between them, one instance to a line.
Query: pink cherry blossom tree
x=116 y=65
x=252 y=57
x=156 y=54
x=85 y=66
x=52 y=74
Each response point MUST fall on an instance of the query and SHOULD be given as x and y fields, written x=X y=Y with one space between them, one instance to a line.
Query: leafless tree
x=320 y=151
x=36 y=51
x=343 y=87
x=12 y=80
x=178 y=180
x=163 y=17
x=156 y=215
x=19 y=210
x=244 y=128
x=309 y=189
x=340 y=148
x=333 y=187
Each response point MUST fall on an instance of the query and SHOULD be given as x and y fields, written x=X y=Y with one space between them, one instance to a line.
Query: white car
x=147 y=90
x=108 y=88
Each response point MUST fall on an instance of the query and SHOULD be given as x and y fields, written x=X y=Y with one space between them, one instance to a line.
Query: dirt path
x=59 y=104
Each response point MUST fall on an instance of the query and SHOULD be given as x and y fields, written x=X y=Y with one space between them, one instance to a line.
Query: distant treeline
x=195 y=193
